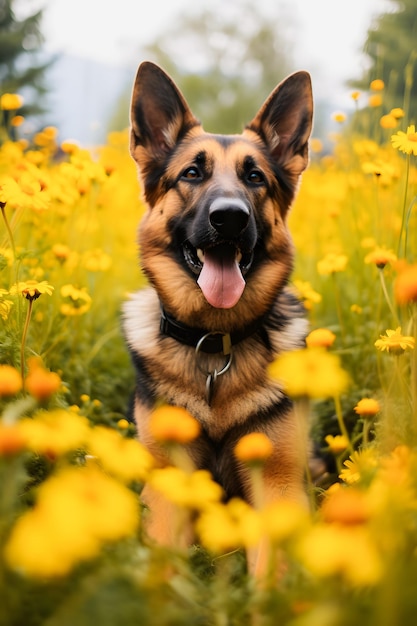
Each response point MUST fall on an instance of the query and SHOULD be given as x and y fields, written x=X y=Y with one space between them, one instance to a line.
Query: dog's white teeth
x=239 y=256
x=200 y=254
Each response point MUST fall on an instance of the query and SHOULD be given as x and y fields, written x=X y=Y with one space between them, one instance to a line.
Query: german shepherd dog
x=216 y=251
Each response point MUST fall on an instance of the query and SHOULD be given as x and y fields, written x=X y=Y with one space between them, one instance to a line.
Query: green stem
x=407 y=220
x=23 y=342
x=338 y=308
x=407 y=175
x=341 y=422
x=386 y=295
x=8 y=228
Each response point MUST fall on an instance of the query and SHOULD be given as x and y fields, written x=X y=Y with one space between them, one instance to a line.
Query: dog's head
x=214 y=241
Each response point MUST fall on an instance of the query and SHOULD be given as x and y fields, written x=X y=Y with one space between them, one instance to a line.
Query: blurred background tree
x=225 y=63
x=22 y=63
x=391 y=48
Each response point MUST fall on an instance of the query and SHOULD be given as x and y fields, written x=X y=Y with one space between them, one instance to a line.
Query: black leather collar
x=209 y=342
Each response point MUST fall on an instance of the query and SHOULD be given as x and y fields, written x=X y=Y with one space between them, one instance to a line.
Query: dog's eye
x=191 y=173
x=255 y=177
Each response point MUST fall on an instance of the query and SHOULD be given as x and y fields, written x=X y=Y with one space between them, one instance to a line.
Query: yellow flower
x=124 y=458
x=284 y=519
x=5 y=307
x=316 y=145
x=41 y=383
x=397 y=113
x=393 y=341
x=225 y=527
x=406 y=284
x=377 y=85
x=380 y=256
x=77 y=511
x=367 y=407
x=332 y=263
x=194 y=491
x=10 y=381
x=253 y=448
x=54 y=433
x=320 y=338
x=339 y=117
x=78 y=301
x=10 y=101
x=347 y=551
x=12 y=439
x=388 y=121
x=304 y=292
x=312 y=372
x=173 y=424
x=32 y=289
x=337 y=443
x=97 y=261
x=355 y=95
x=375 y=100
x=406 y=142
x=361 y=465
x=346 y=506
x=61 y=251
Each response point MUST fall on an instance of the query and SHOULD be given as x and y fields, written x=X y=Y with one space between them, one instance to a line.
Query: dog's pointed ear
x=285 y=120
x=159 y=114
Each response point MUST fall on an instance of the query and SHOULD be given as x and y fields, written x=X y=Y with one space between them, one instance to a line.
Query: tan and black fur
x=223 y=199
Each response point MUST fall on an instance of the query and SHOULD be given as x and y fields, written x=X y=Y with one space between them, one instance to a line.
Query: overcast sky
x=328 y=34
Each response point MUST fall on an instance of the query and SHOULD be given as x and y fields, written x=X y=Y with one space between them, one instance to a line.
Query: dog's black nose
x=229 y=216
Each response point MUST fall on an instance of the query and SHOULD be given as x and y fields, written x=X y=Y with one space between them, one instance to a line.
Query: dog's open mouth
x=220 y=271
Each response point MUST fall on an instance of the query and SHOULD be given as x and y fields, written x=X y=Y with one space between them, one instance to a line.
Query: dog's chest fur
x=171 y=372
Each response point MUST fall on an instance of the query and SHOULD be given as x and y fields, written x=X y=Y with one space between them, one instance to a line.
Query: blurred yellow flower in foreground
x=224 y=527
x=253 y=448
x=312 y=372
x=406 y=284
x=40 y=382
x=173 y=424
x=348 y=551
x=124 y=458
x=10 y=381
x=395 y=342
x=12 y=439
x=77 y=511
x=194 y=491
x=57 y=432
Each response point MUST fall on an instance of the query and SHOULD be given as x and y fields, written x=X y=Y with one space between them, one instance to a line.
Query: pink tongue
x=221 y=280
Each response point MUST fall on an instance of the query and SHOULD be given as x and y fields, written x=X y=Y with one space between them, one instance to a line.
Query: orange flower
x=12 y=439
x=320 y=338
x=173 y=424
x=406 y=284
x=41 y=383
x=253 y=448
x=346 y=506
x=367 y=407
x=10 y=381
x=377 y=85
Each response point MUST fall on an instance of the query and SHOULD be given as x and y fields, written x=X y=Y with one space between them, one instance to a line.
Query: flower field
x=72 y=547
